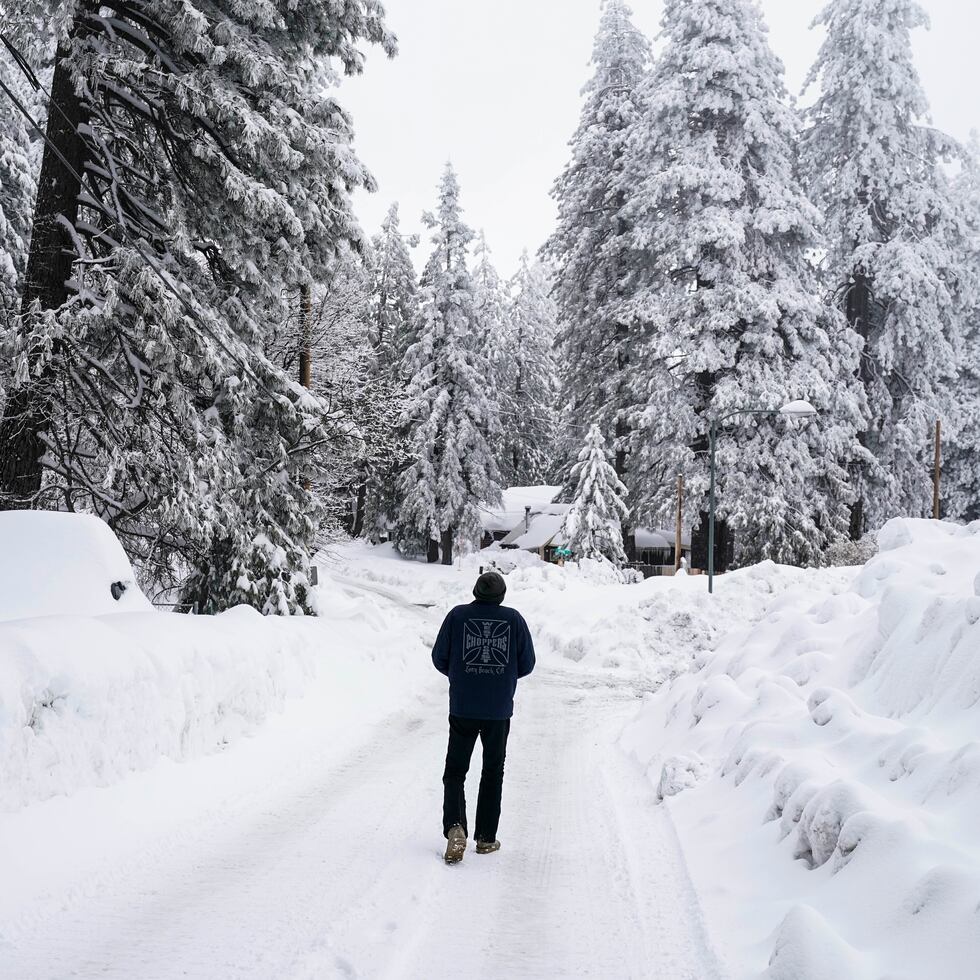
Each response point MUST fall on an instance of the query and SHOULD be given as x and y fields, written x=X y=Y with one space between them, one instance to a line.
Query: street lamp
x=792 y=410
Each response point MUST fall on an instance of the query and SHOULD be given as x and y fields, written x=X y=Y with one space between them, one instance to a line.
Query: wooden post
x=678 y=534
x=937 y=475
x=306 y=337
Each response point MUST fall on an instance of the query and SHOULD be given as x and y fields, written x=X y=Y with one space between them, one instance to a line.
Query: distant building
x=655 y=554
x=540 y=531
x=529 y=520
x=518 y=504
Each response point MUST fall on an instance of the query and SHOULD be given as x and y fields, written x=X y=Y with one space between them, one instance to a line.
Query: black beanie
x=490 y=587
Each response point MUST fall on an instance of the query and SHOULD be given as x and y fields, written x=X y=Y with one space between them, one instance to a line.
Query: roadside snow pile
x=657 y=627
x=87 y=700
x=55 y=564
x=90 y=693
x=641 y=633
x=823 y=771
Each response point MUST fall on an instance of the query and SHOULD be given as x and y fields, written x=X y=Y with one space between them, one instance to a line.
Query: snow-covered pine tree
x=393 y=325
x=592 y=246
x=895 y=241
x=347 y=374
x=496 y=334
x=734 y=317
x=394 y=292
x=529 y=427
x=962 y=468
x=449 y=410
x=592 y=527
x=18 y=188
x=210 y=179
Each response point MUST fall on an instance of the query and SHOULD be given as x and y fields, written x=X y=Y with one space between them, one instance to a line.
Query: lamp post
x=792 y=410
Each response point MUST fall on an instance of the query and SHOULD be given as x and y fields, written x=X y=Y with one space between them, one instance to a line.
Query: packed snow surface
x=822 y=767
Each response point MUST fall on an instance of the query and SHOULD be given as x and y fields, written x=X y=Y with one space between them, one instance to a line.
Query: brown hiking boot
x=487 y=846
x=455 y=844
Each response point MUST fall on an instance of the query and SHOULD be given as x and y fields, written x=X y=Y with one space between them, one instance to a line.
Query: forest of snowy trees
x=203 y=347
x=718 y=250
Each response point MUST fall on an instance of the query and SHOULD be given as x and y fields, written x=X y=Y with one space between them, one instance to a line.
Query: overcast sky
x=494 y=85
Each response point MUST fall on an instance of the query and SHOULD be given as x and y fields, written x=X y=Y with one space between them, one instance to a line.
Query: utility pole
x=938 y=471
x=678 y=533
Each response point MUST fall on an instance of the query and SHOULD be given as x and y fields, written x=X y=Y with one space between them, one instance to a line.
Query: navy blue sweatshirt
x=483 y=648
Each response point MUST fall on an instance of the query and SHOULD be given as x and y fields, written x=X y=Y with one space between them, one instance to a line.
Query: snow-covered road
x=170 y=807
x=241 y=865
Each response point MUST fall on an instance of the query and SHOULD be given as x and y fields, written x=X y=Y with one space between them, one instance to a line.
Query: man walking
x=483 y=648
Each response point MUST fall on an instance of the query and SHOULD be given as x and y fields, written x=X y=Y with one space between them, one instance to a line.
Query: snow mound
x=86 y=700
x=54 y=564
x=841 y=739
x=92 y=689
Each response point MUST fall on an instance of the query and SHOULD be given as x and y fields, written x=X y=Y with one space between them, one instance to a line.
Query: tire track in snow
x=589 y=883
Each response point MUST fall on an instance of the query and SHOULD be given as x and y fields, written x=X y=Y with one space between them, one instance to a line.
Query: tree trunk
x=432 y=555
x=724 y=539
x=857 y=519
x=357 y=526
x=857 y=309
x=49 y=267
x=629 y=542
x=447 y=546
x=724 y=545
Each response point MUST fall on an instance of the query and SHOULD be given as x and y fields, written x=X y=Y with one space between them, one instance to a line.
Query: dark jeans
x=462 y=738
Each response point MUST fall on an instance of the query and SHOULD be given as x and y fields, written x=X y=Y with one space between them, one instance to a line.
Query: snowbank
x=93 y=688
x=828 y=759
x=54 y=564
x=583 y=613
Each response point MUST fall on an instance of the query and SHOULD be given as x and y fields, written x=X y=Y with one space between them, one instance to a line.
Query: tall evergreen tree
x=592 y=246
x=449 y=411
x=962 y=468
x=895 y=241
x=529 y=427
x=200 y=169
x=394 y=292
x=347 y=374
x=592 y=525
x=735 y=319
x=495 y=332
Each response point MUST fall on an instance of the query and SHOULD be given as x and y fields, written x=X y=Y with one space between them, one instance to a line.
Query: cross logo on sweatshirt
x=486 y=643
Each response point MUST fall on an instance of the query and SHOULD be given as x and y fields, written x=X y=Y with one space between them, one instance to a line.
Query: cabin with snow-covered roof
x=538 y=529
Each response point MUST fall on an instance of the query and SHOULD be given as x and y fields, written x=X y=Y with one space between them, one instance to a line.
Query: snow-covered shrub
x=848 y=553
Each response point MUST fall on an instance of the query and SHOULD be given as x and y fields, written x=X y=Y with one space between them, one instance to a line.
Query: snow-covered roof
x=543 y=531
x=511 y=513
x=545 y=525
x=646 y=538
